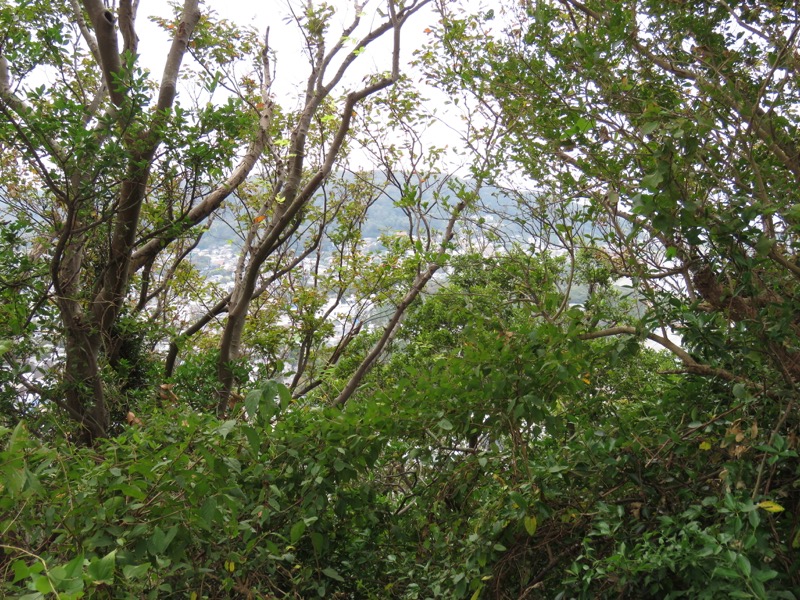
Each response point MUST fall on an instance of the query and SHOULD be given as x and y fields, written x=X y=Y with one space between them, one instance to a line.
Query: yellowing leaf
x=530 y=525
x=705 y=446
x=770 y=506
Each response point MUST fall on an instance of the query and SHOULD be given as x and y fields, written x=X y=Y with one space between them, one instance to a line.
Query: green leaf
x=101 y=570
x=253 y=435
x=297 y=531
x=652 y=180
x=130 y=491
x=74 y=568
x=650 y=127
x=285 y=394
x=317 y=541
x=224 y=429
x=726 y=573
x=331 y=572
x=764 y=575
x=42 y=584
x=764 y=245
x=519 y=500
x=744 y=564
x=445 y=424
x=251 y=403
x=208 y=513
x=135 y=571
x=530 y=525
x=159 y=541
x=21 y=570
x=739 y=391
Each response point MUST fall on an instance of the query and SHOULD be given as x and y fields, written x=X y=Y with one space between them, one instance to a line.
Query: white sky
x=291 y=64
x=285 y=41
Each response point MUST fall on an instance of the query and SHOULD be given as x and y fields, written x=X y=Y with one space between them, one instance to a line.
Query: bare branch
x=91 y=41
x=209 y=204
x=213 y=200
x=127 y=19
x=103 y=22
x=390 y=330
x=690 y=364
x=169 y=80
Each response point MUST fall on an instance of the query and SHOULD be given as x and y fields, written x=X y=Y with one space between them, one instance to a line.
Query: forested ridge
x=510 y=307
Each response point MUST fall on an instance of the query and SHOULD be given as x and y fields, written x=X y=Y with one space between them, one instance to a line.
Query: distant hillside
x=500 y=210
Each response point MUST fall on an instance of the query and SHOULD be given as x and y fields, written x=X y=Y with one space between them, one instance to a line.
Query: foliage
x=663 y=130
x=580 y=384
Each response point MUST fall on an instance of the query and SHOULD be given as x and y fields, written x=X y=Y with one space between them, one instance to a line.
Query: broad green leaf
x=744 y=564
x=519 y=500
x=21 y=570
x=101 y=570
x=297 y=531
x=317 y=541
x=130 y=490
x=285 y=396
x=226 y=427
x=332 y=573
x=650 y=127
x=135 y=571
x=251 y=403
x=652 y=180
x=41 y=583
x=739 y=391
x=726 y=573
x=160 y=540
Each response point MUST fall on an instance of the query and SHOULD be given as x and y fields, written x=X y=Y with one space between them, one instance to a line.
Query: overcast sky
x=291 y=64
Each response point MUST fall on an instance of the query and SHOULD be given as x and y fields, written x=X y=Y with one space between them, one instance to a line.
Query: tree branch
x=127 y=19
x=105 y=31
x=169 y=80
x=391 y=327
x=690 y=364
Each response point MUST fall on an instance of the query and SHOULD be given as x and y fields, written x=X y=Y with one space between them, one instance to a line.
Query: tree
x=128 y=175
x=668 y=131
x=291 y=188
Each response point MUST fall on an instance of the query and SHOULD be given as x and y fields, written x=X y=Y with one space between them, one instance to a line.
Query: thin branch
x=690 y=364
x=390 y=330
x=169 y=80
x=91 y=41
